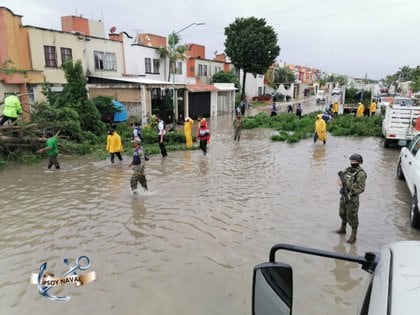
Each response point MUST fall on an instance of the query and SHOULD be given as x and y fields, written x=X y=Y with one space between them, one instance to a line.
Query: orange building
x=15 y=59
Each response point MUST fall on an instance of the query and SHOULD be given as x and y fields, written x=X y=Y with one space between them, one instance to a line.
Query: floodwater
x=190 y=245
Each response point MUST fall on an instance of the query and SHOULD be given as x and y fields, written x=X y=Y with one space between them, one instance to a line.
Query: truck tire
x=414 y=213
x=400 y=173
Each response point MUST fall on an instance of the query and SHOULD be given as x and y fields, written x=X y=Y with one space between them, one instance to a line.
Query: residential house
x=15 y=59
x=204 y=98
x=132 y=71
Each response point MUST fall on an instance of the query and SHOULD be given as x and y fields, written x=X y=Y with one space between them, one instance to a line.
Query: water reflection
x=205 y=223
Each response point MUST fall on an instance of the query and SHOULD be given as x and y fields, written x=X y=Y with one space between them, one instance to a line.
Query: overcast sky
x=353 y=37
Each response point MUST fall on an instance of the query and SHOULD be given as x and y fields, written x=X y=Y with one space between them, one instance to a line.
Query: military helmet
x=356 y=157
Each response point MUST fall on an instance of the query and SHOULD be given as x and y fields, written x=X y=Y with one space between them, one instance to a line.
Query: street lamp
x=172 y=46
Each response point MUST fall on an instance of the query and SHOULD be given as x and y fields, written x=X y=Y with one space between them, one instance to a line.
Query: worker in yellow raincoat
x=335 y=109
x=188 y=132
x=360 y=110
x=320 y=129
x=372 y=108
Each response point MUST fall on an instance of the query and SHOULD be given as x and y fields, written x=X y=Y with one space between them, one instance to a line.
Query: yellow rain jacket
x=12 y=106
x=335 y=107
x=360 y=110
x=113 y=143
x=321 y=128
x=373 y=107
x=188 y=132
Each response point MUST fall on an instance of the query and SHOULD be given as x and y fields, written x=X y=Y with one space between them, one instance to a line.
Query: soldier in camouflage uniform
x=355 y=178
x=137 y=166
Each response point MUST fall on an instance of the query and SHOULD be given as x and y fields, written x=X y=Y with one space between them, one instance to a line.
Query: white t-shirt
x=161 y=128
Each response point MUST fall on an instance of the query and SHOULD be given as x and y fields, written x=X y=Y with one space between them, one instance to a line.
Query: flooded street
x=190 y=245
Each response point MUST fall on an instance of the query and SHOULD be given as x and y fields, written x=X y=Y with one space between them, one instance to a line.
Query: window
x=178 y=68
x=202 y=70
x=217 y=69
x=110 y=61
x=50 y=56
x=156 y=63
x=65 y=54
x=105 y=61
x=414 y=146
x=148 y=65
x=99 y=60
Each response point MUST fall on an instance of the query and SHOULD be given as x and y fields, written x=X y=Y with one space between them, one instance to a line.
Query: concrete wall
x=135 y=64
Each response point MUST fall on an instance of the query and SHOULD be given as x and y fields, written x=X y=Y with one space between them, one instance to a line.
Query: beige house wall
x=82 y=48
x=39 y=38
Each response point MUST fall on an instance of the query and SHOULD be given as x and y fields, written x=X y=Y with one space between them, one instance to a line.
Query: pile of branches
x=27 y=136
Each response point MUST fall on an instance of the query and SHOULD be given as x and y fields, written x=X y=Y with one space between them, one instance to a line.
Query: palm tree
x=178 y=53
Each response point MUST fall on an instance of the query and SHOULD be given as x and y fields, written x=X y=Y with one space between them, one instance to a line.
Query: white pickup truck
x=397 y=124
x=409 y=169
x=392 y=287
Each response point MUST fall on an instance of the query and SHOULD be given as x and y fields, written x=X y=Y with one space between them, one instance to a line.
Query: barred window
x=50 y=54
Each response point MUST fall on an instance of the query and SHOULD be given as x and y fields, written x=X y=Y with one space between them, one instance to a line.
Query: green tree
x=415 y=86
x=70 y=111
x=226 y=77
x=283 y=76
x=251 y=46
x=178 y=53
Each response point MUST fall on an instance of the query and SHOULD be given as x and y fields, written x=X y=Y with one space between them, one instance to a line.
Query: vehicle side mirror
x=272 y=290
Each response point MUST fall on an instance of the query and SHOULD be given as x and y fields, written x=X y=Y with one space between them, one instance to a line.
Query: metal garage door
x=199 y=104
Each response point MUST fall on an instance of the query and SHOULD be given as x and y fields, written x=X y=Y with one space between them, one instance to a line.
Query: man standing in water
x=114 y=145
x=161 y=136
x=237 y=126
x=352 y=184
x=138 y=166
x=203 y=135
x=52 y=149
x=188 y=132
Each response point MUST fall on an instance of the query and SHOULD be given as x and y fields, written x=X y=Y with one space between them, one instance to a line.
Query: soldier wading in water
x=352 y=184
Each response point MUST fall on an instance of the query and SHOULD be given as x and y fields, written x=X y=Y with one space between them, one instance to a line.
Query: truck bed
x=397 y=124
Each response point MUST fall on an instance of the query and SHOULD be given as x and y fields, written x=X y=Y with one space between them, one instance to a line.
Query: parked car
x=409 y=169
x=391 y=287
x=320 y=96
x=278 y=97
x=336 y=91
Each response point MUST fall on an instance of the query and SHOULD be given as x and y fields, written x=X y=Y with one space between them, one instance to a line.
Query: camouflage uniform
x=355 y=181
x=138 y=169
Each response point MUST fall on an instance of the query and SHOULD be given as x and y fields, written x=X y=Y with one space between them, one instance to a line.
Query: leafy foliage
x=405 y=73
x=226 y=77
x=292 y=129
x=71 y=111
x=283 y=76
x=251 y=45
x=352 y=96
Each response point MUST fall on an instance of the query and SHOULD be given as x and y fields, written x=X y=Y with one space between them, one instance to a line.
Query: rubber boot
x=352 y=237
x=342 y=229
